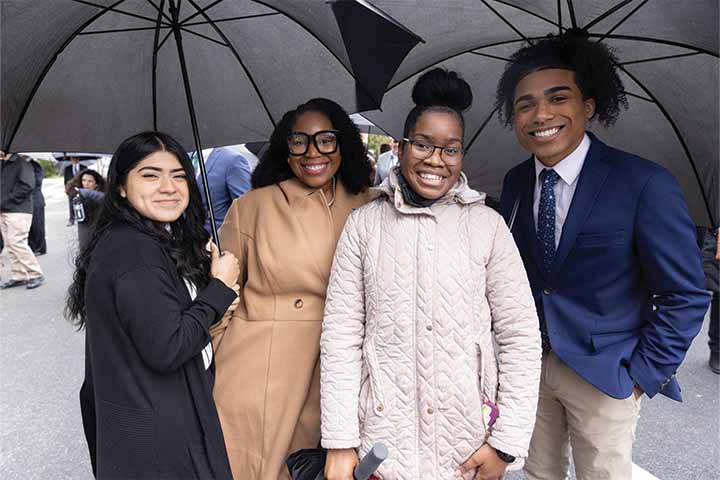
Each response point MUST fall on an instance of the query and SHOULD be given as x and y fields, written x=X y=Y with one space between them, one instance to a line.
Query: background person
x=90 y=186
x=228 y=175
x=69 y=173
x=17 y=181
x=407 y=354
x=710 y=257
x=284 y=232
x=386 y=162
x=147 y=290
x=36 y=236
x=611 y=254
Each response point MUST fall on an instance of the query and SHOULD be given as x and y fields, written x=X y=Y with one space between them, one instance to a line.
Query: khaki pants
x=15 y=228
x=573 y=413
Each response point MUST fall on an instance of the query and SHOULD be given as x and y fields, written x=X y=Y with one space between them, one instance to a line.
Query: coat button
x=379 y=408
x=298 y=303
x=428 y=328
x=430 y=411
x=547 y=290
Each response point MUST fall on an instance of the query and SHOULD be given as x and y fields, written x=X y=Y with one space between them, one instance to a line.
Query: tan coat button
x=430 y=411
x=298 y=303
x=379 y=408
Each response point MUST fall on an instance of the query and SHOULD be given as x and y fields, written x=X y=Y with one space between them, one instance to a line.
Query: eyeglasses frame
x=313 y=138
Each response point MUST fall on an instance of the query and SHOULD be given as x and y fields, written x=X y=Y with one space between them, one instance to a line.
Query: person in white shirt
x=386 y=162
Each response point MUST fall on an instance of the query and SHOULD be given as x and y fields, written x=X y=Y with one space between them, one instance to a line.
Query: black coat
x=153 y=414
x=17 y=181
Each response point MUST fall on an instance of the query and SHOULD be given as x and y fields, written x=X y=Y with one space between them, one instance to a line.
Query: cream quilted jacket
x=418 y=298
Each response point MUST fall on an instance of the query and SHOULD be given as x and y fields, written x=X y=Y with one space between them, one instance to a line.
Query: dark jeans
x=714 y=328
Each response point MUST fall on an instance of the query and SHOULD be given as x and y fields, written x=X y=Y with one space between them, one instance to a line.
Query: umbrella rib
x=330 y=51
x=114 y=10
x=496 y=57
x=623 y=20
x=606 y=14
x=635 y=95
x=160 y=9
x=525 y=10
x=666 y=57
x=506 y=22
x=482 y=127
x=165 y=39
x=237 y=57
x=49 y=65
x=559 y=12
x=200 y=11
x=571 y=8
x=232 y=19
x=154 y=71
x=654 y=40
x=679 y=136
x=204 y=36
x=120 y=30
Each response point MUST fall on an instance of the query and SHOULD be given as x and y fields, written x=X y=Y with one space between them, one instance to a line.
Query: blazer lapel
x=592 y=177
x=525 y=219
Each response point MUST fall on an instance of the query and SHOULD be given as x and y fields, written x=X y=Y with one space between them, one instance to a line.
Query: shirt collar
x=569 y=167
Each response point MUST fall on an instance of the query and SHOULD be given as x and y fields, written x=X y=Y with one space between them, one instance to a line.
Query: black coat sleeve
x=25 y=183
x=165 y=333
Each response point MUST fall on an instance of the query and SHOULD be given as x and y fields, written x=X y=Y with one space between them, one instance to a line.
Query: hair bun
x=439 y=87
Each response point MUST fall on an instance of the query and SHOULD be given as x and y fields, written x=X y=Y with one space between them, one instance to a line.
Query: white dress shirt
x=569 y=170
x=385 y=163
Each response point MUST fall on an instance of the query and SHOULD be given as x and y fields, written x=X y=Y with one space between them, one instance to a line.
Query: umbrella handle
x=368 y=465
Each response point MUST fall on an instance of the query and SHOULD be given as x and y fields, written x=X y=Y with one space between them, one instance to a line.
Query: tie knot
x=549 y=176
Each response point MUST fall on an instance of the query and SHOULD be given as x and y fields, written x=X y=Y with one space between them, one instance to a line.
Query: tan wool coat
x=267 y=386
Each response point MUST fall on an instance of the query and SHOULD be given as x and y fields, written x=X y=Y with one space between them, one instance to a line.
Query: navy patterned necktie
x=546 y=217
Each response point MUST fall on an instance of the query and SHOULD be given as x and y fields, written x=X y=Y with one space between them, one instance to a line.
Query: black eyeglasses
x=325 y=141
x=423 y=150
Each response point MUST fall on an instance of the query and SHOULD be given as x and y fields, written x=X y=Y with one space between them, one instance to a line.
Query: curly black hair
x=594 y=64
x=185 y=242
x=355 y=170
x=76 y=181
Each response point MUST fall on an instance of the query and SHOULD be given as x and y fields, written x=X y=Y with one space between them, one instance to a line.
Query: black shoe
x=38 y=253
x=35 y=282
x=714 y=362
x=13 y=283
x=70 y=223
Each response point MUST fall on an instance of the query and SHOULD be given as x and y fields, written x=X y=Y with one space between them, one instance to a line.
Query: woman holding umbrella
x=147 y=290
x=267 y=391
x=426 y=280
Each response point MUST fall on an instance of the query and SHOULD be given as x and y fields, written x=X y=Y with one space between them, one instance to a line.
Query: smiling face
x=431 y=178
x=550 y=115
x=88 y=182
x=157 y=187
x=314 y=169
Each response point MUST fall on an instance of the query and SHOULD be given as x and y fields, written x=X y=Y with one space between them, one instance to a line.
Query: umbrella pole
x=175 y=12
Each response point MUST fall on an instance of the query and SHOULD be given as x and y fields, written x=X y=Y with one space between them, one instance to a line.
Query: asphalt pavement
x=41 y=369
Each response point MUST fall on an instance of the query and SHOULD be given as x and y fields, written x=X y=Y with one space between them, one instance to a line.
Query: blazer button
x=298 y=303
x=547 y=290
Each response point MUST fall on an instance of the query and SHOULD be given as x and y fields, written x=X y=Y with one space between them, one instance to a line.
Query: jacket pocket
x=377 y=402
x=126 y=443
x=585 y=240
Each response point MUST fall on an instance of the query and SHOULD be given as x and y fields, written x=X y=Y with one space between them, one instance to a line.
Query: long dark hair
x=355 y=170
x=76 y=181
x=186 y=240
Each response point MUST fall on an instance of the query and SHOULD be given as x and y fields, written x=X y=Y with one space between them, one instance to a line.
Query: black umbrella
x=84 y=74
x=668 y=53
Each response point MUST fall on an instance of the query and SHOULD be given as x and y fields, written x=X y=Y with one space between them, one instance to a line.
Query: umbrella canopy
x=668 y=55
x=366 y=126
x=84 y=74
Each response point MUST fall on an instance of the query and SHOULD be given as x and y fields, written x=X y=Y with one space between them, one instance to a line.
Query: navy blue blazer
x=625 y=295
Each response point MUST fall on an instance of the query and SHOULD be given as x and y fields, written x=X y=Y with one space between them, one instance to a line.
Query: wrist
x=505 y=457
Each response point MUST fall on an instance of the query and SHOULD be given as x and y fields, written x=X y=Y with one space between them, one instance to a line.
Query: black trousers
x=36 y=237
